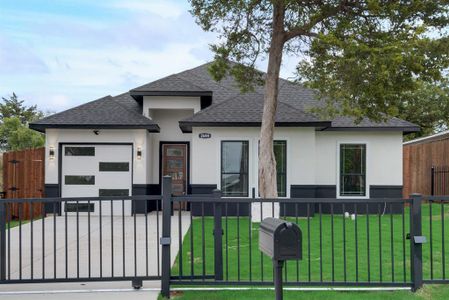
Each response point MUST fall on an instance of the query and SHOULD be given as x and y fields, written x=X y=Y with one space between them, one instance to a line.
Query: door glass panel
x=172 y=151
x=175 y=163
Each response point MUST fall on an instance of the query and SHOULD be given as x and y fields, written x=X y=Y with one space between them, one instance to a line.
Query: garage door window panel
x=79 y=151
x=79 y=180
x=114 y=166
x=113 y=192
x=79 y=207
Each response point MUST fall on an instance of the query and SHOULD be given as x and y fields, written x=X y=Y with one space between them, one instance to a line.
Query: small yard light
x=139 y=153
x=51 y=153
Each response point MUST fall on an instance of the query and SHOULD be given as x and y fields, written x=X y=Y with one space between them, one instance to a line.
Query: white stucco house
x=205 y=135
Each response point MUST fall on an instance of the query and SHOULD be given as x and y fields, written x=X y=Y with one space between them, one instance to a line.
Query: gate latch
x=165 y=241
x=420 y=239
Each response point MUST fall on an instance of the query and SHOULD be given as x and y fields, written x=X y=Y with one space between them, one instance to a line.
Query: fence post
x=218 y=236
x=166 y=236
x=2 y=240
x=416 y=246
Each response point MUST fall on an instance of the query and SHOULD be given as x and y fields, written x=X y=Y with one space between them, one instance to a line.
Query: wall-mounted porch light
x=51 y=153
x=139 y=153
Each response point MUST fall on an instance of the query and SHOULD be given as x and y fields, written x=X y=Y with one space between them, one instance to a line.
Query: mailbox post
x=280 y=240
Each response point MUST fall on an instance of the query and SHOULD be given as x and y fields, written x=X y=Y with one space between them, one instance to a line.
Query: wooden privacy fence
x=23 y=177
x=418 y=160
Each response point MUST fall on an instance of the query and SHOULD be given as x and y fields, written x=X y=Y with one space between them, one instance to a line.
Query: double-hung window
x=234 y=168
x=352 y=170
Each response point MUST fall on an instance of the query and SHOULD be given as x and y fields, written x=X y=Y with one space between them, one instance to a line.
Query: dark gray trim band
x=42 y=127
x=186 y=127
x=404 y=129
x=169 y=93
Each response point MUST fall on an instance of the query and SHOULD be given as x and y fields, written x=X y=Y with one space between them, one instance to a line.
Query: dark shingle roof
x=298 y=97
x=107 y=112
x=229 y=106
x=246 y=110
x=169 y=85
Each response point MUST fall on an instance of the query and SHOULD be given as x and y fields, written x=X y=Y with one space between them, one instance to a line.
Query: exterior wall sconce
x=51 y=153
x=139 y=153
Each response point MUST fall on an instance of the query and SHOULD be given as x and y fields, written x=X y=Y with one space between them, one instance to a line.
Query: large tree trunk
x=267 y=162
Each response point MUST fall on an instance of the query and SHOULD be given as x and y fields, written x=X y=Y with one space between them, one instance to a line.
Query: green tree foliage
x=18 y=136
x=428 y=106
x=366 y=58
x=14 y=119
x=13 y=107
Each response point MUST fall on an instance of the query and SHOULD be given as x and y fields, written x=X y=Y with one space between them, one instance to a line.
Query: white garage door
x=96 y=170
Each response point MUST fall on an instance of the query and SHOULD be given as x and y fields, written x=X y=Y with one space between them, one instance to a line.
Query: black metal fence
x=346 y=242
x=439 y=180
x=89 y=239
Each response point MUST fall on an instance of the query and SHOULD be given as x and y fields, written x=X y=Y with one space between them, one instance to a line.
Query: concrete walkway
x=113 y=249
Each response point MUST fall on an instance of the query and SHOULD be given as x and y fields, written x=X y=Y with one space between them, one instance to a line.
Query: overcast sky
x=60 y=53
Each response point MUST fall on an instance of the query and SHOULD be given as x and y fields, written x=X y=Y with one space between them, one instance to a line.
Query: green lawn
x=386 y=249
x=435 y=292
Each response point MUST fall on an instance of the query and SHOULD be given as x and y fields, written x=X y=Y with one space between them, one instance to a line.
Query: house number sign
x=205 y=135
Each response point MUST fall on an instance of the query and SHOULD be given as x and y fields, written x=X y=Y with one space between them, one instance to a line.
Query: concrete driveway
x=115 y=254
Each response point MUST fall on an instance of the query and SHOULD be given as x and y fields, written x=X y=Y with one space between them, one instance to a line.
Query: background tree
x=14 y=119
x=13 y=107
x=429 y=108
x=363 y=56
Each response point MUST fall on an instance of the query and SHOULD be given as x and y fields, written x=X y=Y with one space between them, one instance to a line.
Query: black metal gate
x=439 y=180
x=92 y=239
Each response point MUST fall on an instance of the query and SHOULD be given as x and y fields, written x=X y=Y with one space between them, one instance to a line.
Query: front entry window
x=352 y=170
x=234 y=168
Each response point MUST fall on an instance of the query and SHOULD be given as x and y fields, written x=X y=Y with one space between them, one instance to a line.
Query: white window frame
x=367 y=178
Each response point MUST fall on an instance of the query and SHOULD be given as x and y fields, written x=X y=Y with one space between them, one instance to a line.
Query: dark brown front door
x=174 y=164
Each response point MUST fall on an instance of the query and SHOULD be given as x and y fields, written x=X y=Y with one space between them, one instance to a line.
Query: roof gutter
x=404 y=129
x=186 y=126
x=138 y=95
x=43 y=127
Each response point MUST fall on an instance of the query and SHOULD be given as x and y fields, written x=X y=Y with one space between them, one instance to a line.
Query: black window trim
x=221 y=167
x=338 y=185
x=286 y=166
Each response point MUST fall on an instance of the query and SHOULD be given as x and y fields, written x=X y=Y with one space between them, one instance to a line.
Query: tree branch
x=305 y=30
